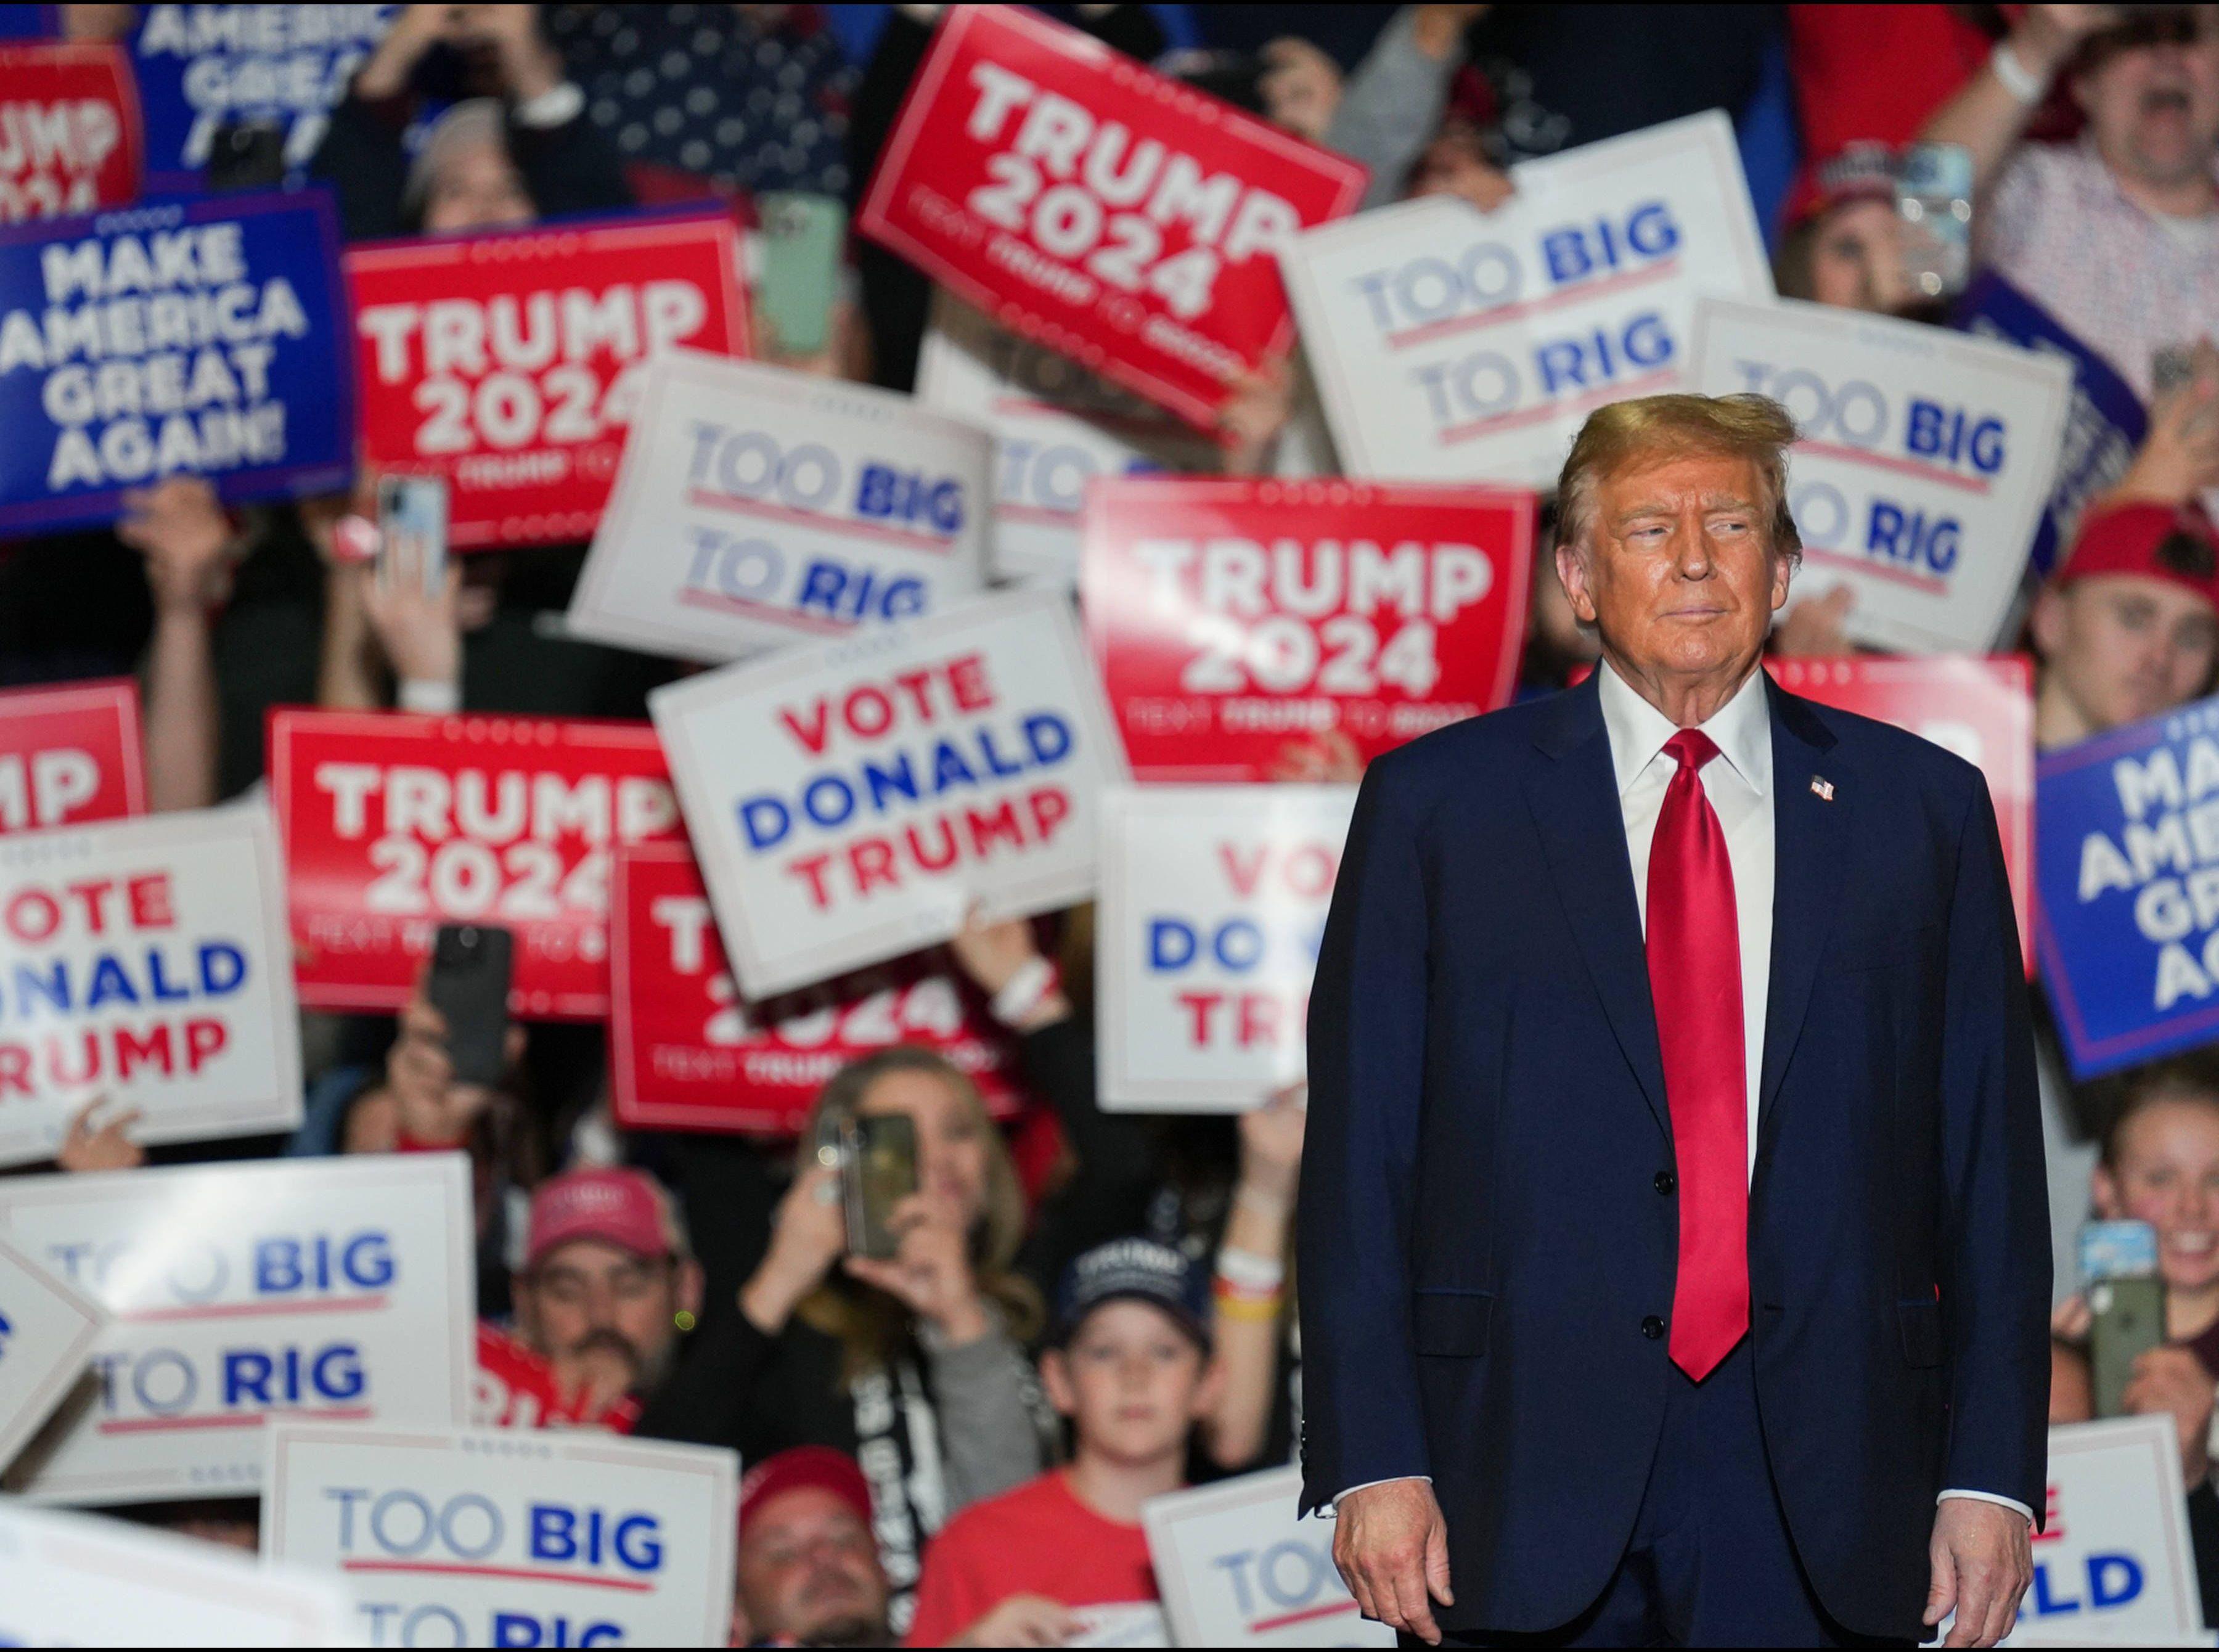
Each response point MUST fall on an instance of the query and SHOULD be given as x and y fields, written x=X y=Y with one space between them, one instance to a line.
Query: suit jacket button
x=1652 y=1327
x=1664 y=1182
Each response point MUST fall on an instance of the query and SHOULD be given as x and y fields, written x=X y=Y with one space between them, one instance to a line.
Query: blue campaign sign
x=201 y=68
x=2127 y=876
x=2103 y=426
x=204 y=338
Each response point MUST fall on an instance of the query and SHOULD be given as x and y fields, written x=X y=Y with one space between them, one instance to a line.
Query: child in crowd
x=1130 y=1364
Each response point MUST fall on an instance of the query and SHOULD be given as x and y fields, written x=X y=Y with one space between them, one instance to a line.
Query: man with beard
x=807 y=1571
x=608 y=1279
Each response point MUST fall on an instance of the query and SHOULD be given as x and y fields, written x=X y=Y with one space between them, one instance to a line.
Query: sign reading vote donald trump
x=757 y=506
x=850 y=802
x=1922 y=461
x=510 y=1538
x=1451 y=344
x=2113 y=1564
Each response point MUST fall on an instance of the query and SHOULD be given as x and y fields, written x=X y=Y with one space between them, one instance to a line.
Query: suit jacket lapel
x=1573 y=793
x=1809 y=836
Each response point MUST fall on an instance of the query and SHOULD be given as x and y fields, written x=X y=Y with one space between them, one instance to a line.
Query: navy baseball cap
x=1134 y=1270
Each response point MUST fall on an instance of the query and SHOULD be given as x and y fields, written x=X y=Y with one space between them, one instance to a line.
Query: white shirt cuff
x=1988 y=1497
x=1328 y=1514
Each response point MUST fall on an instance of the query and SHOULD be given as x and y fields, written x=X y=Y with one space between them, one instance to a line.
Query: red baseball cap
x=1857 y=172
x=806 y=1466
x=2150 y=538
x=620 y=1207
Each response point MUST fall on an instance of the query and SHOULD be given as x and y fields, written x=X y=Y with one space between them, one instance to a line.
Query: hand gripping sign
x=47 y=1332
x=78 y=1579
x=850 y=802
x=453 y=1538
x=1213 y=901
x=755 y=506
x=339 y=1288
x=70 y=754
x=2127 y=879
x=1238 y=621
x=510 y=363
x=199 y=337
x=1090 y=204
x=1237 y=1569
x=687 y=1053
x=1980 y=708
x=69 y=131
x=1456 y=345
x=1055 y=426
x=1924 y=463
x=395 y=824
x=2113 y=1564
x=144 y=961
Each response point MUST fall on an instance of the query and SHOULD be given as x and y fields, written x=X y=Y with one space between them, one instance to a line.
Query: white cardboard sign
x=1054 y=424
x=1237 y=1569
x=46 y=1330
x=1924 y=461
x=848 y=803
x=1213 y=899
x=146 y=961
x=757 y=507
x=1451 y=344
x=507 y=1538
x=77 y=1579
x=337 y=1288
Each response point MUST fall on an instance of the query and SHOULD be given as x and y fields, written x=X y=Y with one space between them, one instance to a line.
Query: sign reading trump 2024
x=848 y=803
x=1923 y=463
x=1213 y=901
x=144 y=961
x=1456 y=345
x=69 y=131
x=202 y=338
x=510 y=1538
x=756 y=505
x=339 y=1288
x=2126 y=842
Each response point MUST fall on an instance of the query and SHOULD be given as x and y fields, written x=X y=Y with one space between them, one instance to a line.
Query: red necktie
x=1694 y=980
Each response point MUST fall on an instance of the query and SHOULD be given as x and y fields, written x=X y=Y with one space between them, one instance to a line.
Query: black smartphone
x=468 y=986
x=246 y=156
x=878 y=1170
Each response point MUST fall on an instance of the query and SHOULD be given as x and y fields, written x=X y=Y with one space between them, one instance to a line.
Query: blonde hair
x=1648 y=429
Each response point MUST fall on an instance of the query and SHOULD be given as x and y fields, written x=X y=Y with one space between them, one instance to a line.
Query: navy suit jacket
x=1483 y=1224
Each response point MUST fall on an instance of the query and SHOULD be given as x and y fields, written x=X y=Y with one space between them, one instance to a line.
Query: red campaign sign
x=1089 y=203
x=1980 y=708
x=687 y=1053
x=509 y=364
x=394 y=824
x=70 y=139
x=514 y=1387
x=1240 y=623
x=70 y=753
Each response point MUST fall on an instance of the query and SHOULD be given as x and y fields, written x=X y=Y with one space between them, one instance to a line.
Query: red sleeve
x=949 y=1597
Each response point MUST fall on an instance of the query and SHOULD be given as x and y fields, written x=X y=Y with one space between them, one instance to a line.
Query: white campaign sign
x=335 y=1288
x=2114 y=1565
x=1237 y=1569
x=1054 y=424
x=757 y=507
x=47 y=1331
x=510 y=1538
x=849 y=803
x=146 y=961
x=1213 y=898
x=1451 y=344
x=1923 y=465
x=77 y=1579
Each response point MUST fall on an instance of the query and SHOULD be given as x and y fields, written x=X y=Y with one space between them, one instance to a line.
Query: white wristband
x=429 y=696
x=1249 y=1271
x=2018 y=79
x=1021 y=993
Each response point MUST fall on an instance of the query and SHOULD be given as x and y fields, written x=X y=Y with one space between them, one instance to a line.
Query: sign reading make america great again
x=1091 y=204
x=202 y=338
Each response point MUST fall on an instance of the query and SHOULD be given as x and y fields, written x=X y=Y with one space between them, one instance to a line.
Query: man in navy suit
x=1674 y=1248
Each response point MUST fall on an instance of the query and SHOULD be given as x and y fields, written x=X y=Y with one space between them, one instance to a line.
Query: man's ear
x=2046 y=625
x=690 y=1286
x=1572 y=574
x=1783 y=575
x=1055 y=1379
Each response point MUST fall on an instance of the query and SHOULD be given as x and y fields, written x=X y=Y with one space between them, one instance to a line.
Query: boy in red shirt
x=1130 y=1364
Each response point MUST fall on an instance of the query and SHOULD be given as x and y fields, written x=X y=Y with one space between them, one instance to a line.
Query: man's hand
x=1392 y=1547
x=1983 y=1561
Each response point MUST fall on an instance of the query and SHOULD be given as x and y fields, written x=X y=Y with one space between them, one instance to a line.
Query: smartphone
x=245 y=156
x=1934 y=202
x=801 y=243
x=878 y=1170
x=411 y=526
x=468 y=986
x=2118 y=1262
x=2171 y=367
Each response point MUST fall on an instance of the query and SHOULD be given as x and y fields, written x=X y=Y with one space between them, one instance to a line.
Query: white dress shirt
x=1738 y=783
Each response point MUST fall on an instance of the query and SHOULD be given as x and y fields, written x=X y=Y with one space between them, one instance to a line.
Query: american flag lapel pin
x=1824 y=788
